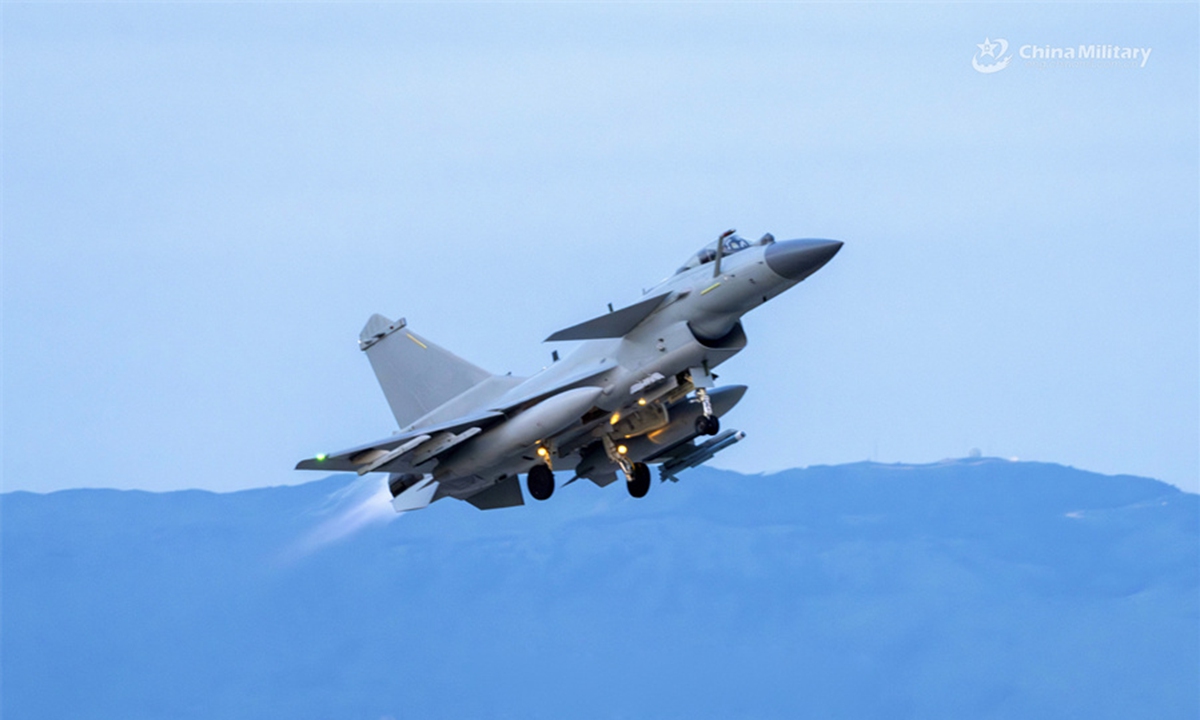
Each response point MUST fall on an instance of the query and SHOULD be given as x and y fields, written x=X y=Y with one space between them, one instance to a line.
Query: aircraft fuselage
x=637 y=389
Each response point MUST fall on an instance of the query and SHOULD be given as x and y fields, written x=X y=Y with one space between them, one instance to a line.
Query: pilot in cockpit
x=732 y=244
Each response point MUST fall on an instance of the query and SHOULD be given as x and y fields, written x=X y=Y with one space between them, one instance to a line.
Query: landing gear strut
x=637 y=475
x=706 y=424
x=540 y=482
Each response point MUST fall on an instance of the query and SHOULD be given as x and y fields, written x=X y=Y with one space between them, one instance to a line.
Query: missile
x=381 y=460
x=703 y=452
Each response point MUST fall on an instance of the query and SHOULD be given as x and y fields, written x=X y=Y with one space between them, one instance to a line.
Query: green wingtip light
x=321 y=457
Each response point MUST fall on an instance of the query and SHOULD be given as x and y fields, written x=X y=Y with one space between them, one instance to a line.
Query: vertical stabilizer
x=416 y=375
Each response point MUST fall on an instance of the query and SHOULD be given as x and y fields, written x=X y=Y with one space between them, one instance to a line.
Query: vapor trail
x=362 y=503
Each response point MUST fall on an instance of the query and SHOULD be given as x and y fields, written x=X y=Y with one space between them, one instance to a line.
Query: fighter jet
x=638 y=389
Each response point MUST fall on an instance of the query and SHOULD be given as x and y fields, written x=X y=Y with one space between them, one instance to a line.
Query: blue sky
x=202 y=204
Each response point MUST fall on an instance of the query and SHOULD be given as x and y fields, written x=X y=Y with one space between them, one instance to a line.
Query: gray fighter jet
x=638 y=389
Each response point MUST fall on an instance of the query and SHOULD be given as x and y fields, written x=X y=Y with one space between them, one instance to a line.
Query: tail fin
x=415 y=374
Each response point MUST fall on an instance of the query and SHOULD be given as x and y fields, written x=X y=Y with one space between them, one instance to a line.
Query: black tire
x=714 y=425
x=708 y=425
x=639 y=484
x=540 y=482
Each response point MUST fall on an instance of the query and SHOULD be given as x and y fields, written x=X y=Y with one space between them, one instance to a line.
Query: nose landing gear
x=706 y=424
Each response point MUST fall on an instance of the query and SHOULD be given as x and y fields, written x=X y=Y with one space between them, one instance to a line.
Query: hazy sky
x=202 y=204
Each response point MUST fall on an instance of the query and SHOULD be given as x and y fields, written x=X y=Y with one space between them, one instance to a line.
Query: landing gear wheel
x=638 y=482
x=540 y=482
x=708 y=425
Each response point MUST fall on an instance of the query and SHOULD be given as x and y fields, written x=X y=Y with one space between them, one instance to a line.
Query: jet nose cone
x=797 y=259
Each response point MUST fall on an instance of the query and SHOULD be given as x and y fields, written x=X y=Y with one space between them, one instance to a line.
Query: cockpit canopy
x=733 y=244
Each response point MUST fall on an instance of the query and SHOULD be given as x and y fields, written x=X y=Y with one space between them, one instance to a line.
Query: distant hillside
x=965 y=589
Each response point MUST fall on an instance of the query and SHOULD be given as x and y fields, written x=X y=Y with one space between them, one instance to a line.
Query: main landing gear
x=638 y=480
x=637 y=474
x=708 y=423
x=540 y=482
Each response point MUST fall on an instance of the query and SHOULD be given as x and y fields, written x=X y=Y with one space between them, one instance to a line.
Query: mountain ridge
x=979 y=587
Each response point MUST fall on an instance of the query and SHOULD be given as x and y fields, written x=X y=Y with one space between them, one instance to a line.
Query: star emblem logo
x=994 y=50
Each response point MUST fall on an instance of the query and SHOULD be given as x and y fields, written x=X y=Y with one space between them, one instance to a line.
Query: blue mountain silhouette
x=964 y=589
